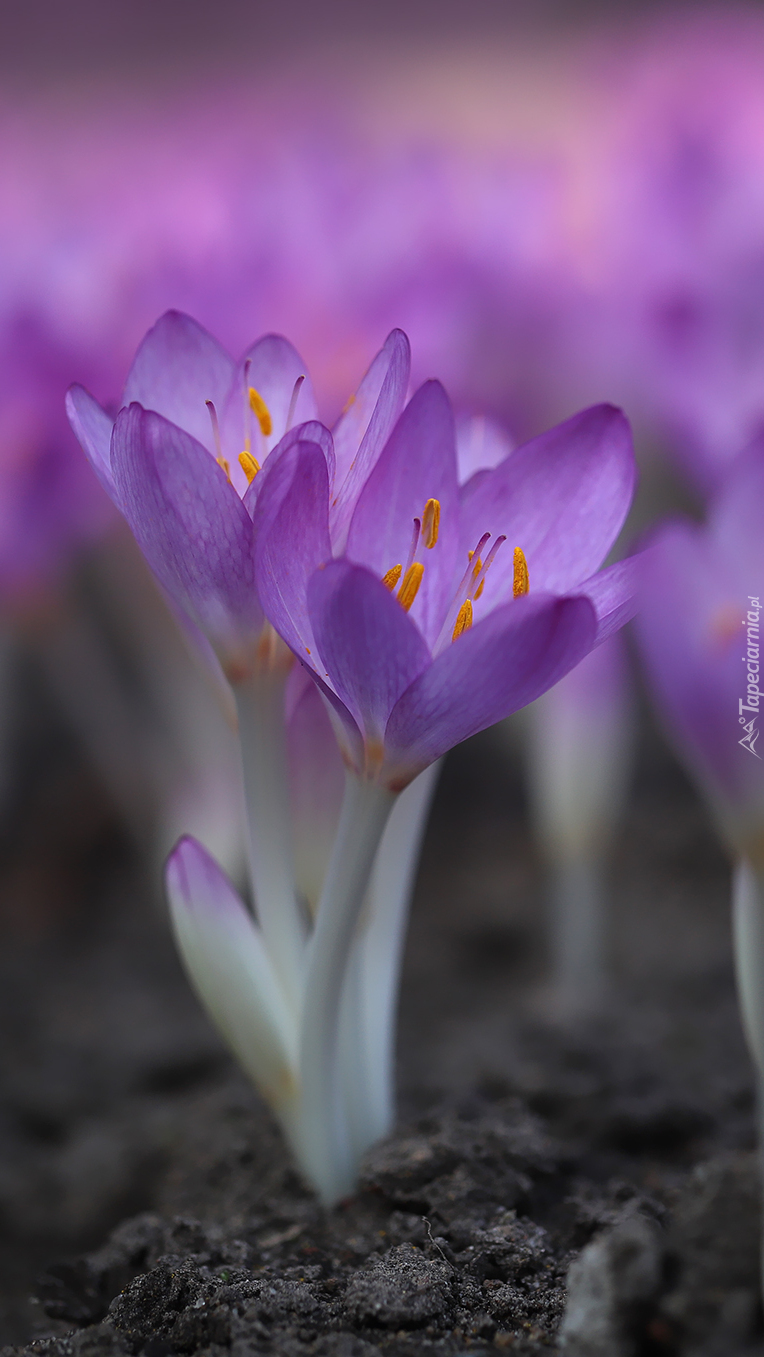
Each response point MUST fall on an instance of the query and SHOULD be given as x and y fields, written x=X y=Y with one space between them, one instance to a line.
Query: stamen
x=520 y=584
x=215 y=431
x=249 y=465
x=410 y=587
x=224 y=465
x=471 y=570
x=431 y=523
x=258 y=407
x=293 y=403
x=391 y=577
x=414 y=543
x=480 y=577
x=463 y=619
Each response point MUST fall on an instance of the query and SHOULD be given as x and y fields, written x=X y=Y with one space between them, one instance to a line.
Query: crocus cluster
x=366 y=610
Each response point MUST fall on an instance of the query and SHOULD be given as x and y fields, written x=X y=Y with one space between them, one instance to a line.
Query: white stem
x=578 y=931
x=260 y=704
x=370 y=998
x=748 y=944
x=325 y=1149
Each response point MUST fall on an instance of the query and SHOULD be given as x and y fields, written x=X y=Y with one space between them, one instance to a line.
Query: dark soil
x=146 y=1200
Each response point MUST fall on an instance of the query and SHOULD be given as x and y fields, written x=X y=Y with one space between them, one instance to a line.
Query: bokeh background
x=561 y=203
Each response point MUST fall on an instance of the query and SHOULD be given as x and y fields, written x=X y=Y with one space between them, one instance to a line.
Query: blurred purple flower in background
x=700 y=596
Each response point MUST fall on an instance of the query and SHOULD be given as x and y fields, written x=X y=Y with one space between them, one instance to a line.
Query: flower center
x=253 y=405
x=460 y=614
x=425 y=535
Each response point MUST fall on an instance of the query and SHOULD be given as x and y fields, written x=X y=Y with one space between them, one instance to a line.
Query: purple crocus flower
x=388 y=581
x=699 y=638
x=424 y=631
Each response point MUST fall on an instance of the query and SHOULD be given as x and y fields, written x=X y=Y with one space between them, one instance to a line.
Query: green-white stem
x=326 y=1149
x=748 y=943
x=260 y=705
x=367 y=1039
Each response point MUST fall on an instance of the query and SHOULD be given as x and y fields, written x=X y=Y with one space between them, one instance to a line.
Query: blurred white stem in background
x=579 y=744
x=367 y=1035
x=748 y=944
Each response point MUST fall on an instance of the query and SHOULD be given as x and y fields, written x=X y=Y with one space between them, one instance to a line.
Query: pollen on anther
x=260 y=409
x=431 y=522
x=463 y=619
x=391 y=576
x=224 y=465
x=410 y=586
x=249 y=465
x=520 y=583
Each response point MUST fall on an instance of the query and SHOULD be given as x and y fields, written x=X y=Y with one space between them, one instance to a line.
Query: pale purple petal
x=417 y=463
x=737 y=515
x=190 y=524
x=93 y=427
x=481 y=444
x=562 y=498
x=227 y=962
x=274 y=367
x=370 y=648
x=311 y=432
x=291 y=529
x=500 y=665
x=614 y=595
x=364 y=427
x=178 y=367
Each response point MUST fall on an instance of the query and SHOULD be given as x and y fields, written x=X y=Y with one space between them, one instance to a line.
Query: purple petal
x=190 y=525
x=274 y=367
x=417 y=463
x=365 y=426
x=369 y=646
x=562 y=498
x=223 y=952
x=736 y=516
x=177 y=368
x=291 y=529
x=311 y=432
x=500 y=665
x=481 y=445
x=614 y=595
x=93 y=427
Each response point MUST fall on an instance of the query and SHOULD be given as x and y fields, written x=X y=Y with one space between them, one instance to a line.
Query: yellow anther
x=249 y=465
x=520 y=583
x=350 y=401
x=391 y=577
x=223 y=464
x=258 y=407
x=463 y=619
x=431 y=522
x=479 y=589
x=410 y=587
